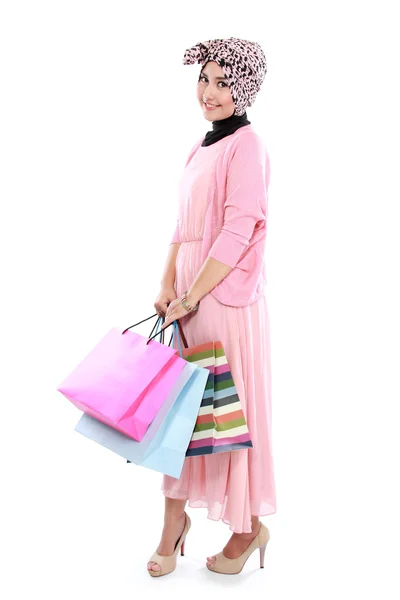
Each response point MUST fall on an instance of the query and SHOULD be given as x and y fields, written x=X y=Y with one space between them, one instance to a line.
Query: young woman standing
x=216 y=266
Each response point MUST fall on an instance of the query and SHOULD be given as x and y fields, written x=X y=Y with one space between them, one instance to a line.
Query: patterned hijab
x=242 y=62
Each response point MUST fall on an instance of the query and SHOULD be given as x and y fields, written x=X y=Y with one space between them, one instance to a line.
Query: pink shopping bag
x=124 y=380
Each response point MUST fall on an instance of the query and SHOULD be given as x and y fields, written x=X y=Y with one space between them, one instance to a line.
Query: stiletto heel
x=167 y=564
x=233 y=566
x=262 y=555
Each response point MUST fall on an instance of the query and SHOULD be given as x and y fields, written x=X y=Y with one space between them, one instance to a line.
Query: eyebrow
x=204 y=73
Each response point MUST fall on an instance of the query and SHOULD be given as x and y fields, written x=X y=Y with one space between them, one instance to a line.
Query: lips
x=211 y=106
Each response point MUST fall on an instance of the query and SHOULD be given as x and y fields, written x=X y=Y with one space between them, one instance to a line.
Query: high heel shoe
x=233 y=566
x=167 y=564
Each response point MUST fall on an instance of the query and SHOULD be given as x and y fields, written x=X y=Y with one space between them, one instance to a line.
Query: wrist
x=192 y=297
x=190 y=300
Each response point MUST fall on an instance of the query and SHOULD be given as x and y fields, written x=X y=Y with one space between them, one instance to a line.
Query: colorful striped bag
x=221 y=425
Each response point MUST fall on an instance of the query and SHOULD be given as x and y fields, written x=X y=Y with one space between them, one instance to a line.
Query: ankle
x=173 y=518
x=255 y=524
x=255 y=528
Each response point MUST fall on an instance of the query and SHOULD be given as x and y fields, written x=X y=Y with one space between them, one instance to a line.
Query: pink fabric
x=235 y=219
x=232 y=485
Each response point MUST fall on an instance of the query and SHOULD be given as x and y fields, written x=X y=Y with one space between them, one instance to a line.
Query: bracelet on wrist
x=188 y=307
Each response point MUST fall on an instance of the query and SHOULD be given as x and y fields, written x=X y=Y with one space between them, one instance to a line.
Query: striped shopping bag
x=220 y=425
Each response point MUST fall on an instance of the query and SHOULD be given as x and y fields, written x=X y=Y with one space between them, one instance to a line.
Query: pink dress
x=231 y=485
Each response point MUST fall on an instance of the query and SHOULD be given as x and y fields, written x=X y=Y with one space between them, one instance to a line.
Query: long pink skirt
x=235 y=485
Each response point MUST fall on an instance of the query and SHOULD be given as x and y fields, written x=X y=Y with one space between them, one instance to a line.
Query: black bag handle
x=155 y=325
x=160 y=332
x=143 y=320
x=183 y=337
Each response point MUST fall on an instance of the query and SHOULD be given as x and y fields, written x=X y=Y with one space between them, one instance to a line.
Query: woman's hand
x=175 y=311
x=164 y=298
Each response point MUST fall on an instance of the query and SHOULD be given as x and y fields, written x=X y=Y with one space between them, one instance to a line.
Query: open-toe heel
x=167 y=564
x=233 y=566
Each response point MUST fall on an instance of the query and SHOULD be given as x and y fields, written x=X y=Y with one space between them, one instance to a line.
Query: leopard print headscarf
x=243 y=63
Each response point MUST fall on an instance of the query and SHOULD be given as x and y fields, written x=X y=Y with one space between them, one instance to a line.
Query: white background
x=97 y=117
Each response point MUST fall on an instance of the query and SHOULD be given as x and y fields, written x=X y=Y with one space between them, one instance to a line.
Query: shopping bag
x=221 y=425
x=164 y=444
x=124 y=380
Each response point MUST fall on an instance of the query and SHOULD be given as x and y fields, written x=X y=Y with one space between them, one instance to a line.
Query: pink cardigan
x=236 y=219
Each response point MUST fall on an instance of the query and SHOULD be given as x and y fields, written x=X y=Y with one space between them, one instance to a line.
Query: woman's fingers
x=168 y=321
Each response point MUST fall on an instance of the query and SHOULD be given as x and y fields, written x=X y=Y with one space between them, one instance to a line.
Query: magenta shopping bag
x=124 y=380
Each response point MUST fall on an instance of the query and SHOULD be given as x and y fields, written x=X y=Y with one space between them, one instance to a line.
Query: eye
x=204 y=77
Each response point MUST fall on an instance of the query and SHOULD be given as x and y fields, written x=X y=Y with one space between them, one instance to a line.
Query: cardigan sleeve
x=245 y=207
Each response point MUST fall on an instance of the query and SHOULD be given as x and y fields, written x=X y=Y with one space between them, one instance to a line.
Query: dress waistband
x=189 y=241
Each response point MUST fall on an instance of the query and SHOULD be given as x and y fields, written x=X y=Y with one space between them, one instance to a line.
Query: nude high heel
x=168 y=563
x=233 y=566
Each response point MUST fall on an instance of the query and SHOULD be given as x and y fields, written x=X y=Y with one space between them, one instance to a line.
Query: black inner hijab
x=224 y=127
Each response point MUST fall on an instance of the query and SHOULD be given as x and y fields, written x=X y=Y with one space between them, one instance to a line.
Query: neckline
x=226 y=136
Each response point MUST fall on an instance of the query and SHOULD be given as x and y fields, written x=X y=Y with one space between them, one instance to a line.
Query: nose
x=209 y=94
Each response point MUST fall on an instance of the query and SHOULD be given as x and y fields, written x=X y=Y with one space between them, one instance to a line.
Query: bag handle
x=147 y=318
x=176 y=324
x=175 y=330
x=163 y=330
x=156 y=325
x=182 y=335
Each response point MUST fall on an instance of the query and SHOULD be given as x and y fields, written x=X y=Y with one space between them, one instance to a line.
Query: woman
x=214 y=282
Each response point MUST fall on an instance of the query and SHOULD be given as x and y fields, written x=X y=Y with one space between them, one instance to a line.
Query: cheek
x=227 y=103
x=226 y=98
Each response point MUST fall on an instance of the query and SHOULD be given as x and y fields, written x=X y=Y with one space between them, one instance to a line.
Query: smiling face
x=214 y=89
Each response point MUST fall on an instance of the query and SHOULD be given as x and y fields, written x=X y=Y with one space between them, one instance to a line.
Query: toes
x=211 y=561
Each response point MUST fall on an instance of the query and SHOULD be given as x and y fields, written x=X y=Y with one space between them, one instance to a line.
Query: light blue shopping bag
x=163 y=447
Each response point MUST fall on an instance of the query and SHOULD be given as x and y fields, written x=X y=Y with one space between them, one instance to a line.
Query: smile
x=210 y=106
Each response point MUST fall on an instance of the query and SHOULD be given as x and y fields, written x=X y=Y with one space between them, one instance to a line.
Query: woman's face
x=213 y=88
